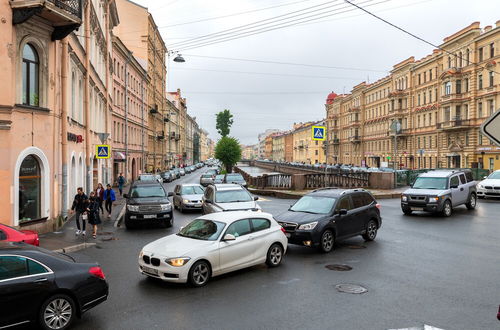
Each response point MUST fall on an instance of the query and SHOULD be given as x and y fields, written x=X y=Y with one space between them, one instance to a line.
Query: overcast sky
x=263 y=95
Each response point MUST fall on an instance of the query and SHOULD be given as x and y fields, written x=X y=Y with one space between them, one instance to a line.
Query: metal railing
x=340 y=179
x=73 y=7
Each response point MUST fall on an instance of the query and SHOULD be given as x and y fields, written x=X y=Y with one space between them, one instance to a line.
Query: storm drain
x=351 y=288
x=339 y=268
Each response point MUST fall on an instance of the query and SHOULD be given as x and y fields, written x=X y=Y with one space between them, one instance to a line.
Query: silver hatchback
x=206 y=179
x=188 y=197
x=228 y=197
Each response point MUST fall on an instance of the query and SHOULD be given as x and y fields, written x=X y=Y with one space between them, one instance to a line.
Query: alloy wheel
x=200 y=274
x=276 y=255
x=327 y=241
x=472 y=201
x=447 y=209
x=372 y=230
x=58 y=313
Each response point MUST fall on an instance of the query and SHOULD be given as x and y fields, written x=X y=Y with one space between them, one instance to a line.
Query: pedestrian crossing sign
x=102 y=151
x=319 y=133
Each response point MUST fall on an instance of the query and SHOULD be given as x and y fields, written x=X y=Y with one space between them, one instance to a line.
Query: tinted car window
x=233 y=196
x=462 y=179
x=191 y=190
x=314 y=204
x=36 y=268
x=12 y=267
x=239 y=228
x=367 y=198
x=3 y=236
x=202 y=229
x=469 y=176
x=344 y=203
x=454 y=181
x=260 y=224
x=357 y=200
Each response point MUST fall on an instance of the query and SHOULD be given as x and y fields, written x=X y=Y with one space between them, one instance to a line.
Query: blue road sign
x=319 y=133
x=103 y=151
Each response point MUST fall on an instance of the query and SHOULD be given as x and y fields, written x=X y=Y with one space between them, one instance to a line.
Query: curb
x=119 y=219
x=74 y=248
x=288 y=195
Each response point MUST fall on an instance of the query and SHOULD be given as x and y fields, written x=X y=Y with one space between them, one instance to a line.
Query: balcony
x=454 y=124
x=64 y=15
x=354 y=109
x=355 y=139
x=336 y=141
x=160 y=135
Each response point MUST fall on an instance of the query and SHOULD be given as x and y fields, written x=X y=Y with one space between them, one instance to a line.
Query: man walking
x=80 y=206
x=121 y=182
x=109 y=198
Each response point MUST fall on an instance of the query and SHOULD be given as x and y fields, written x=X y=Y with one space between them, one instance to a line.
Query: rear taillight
x=378 y=206
x=283 y=230
x=498 y=314
x=97 y=272
x=37 y=241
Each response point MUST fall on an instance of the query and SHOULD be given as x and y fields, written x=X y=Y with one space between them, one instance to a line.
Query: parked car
x=490 y=186
x=177 y=172
x=147 y=177
x=212 y=171
x=212 y=245
x=167 y=176
x=148 y=202
x=228 y=197
x=325 y=216
x=10 y=234
x=187 y=169
x=182 y=171
x=236 y=178
x=440 y=191
x=188 y=197
x=206 y=179
x=219 y=178
x=46 y=289
x=193 y=168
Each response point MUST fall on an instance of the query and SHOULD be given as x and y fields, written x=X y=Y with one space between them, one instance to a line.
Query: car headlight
x=434 y=199
x=141 y=254
x=165 y=207
x=308 y=226
x=186 y=201
x=133 y=208
x=404 y=198
x=177 y=262
x=480 y=186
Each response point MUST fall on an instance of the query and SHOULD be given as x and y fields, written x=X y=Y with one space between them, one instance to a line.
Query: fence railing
x=344 y=180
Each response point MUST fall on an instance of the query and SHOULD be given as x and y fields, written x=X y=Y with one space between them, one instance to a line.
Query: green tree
x=224 y=122
x=228 y=151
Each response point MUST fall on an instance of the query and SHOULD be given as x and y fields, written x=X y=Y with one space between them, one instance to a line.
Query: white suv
x=490 y=186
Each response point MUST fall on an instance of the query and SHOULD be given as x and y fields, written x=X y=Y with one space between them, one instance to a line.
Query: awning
x=119 y=156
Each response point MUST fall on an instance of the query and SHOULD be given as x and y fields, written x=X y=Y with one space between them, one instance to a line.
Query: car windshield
x=206 y=176
x=494 y=175
x=202 y=229
x=146 y=178
x=219 y=177
x=430 y=183
x=192 y=190
x=314 y=204
x=147 y=191
x=234 y=177
x=232 y=196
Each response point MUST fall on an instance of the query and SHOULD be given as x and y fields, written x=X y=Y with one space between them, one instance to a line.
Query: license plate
x=197 y=205
x=417 y=208
x=149 y=216
x=150 y=270
x=288 y=235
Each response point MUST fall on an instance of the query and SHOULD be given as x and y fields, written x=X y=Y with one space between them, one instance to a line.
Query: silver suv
x=228 y=197
x=440 y=192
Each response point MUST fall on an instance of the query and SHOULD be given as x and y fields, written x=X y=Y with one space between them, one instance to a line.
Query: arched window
x=30 y=74
x=29 y=189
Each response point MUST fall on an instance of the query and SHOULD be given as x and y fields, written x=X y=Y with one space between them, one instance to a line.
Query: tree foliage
x=228 y=151
x=224 y=122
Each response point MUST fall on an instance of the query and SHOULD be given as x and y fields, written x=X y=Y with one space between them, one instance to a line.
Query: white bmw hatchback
x=215 y=244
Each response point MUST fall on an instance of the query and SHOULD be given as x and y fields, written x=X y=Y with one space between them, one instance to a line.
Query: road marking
x=262 y=199
x=426 y=327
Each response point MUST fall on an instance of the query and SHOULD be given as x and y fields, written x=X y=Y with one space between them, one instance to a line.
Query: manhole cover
x=356 y=247
x=340 y=268
x=351 y=288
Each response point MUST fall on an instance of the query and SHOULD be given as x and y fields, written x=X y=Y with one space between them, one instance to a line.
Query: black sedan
x=38 y=286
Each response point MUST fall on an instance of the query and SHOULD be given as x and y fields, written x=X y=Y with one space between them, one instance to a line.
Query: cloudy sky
x=337 y=45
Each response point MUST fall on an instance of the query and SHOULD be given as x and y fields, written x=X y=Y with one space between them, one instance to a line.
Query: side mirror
x=454 y=186
x=229 y=237
x=125 y=195
x=208 y=201
x=255 y=198
x=342 y=212
x=181 y=228
x=170 y=194
x=485 y=177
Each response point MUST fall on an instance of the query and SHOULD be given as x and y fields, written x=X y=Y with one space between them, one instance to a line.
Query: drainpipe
x=126 y=116
x=86 y=98
x=64 y=127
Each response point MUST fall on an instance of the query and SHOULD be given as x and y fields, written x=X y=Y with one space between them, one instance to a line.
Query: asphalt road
x=420 y=270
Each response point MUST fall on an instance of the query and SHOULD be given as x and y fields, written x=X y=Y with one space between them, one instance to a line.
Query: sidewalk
x=65 y=240
x=296 y=194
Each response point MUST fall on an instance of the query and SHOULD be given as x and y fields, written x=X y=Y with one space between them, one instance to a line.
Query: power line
x=415 y=36
x=256 y=23
x=270 y=28
x=256 y=93
x=267 y=73
x=234 y=14
x=286 y=63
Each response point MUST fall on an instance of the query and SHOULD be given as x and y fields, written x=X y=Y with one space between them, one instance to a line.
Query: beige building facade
x=305 y=149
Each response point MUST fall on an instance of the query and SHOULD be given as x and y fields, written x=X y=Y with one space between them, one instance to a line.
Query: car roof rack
x=325 y=188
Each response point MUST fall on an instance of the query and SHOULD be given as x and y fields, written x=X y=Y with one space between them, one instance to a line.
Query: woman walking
x=109 y=197
x=93 y=212
x=99 y=194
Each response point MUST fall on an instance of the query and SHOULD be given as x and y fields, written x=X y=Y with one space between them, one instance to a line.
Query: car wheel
x=199 y=274
x=371 y=231
x=447 y=208
x=406 y=210
x=327 y=241
x=471 y=204
x=170 y=222
x=57 y=312
x=274 y=255
x=129 y=224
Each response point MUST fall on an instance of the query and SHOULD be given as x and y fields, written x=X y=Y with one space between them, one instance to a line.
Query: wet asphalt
x=421 y=270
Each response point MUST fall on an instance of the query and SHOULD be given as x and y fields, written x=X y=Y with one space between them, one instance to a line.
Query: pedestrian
x=121 y=182
x=80 y=208
x=99 y=194
x=109 y=198
x=93 y=213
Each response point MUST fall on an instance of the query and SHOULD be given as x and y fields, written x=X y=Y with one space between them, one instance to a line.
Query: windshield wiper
x=306 y=212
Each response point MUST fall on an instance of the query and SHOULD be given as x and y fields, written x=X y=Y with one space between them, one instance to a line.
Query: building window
x=29 y=189
x=30 y=73
x=458 y=86
x=491 y=78
x=466 y=87
x=430 y=74
x=492 y=49
x=480 y=109
x=491 y=107
x=447 y=114
x=480 y=54
x=419 y=79
x=447 y=88
x=480 y=81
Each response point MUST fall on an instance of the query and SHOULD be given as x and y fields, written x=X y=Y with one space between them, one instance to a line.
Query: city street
x=421 y=270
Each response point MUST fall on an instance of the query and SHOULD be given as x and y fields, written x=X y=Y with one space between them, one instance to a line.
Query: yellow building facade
x=305 y=149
